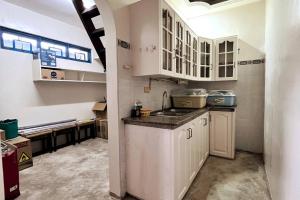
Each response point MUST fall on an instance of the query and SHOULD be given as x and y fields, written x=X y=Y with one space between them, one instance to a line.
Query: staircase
x=86 y=16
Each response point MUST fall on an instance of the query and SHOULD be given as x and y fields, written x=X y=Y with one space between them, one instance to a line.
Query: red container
x=10 y=173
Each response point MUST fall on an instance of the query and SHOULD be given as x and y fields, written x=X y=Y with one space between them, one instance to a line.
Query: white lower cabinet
x=205 y=136
x=222 y=134
x=161 y=164
x=182 y=160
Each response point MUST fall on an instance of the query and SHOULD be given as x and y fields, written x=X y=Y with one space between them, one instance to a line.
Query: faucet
x=165 y=95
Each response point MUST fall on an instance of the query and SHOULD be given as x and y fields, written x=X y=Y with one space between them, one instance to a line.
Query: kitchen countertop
x=172 y=122
x=163 y=121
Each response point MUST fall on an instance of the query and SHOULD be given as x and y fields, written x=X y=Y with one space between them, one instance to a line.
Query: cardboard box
x=2 y=134
x=50 y=74
x=100 y=110
x=102 y=128
x=24 y=151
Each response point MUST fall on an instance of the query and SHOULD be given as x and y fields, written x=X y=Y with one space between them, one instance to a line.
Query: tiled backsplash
x=250 y=99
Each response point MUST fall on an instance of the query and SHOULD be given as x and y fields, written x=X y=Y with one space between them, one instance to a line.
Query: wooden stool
x=88 y=124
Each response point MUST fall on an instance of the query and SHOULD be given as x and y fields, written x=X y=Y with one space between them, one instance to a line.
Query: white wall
x=34 y=103
x=123 y=90
x=282 y=111
x=248 y=22
x=132 y=88
x=1 y=179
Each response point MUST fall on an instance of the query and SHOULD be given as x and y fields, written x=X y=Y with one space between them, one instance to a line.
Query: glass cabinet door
x=195 y=57
x=167 y=38
x=179 y=46
x=188 y=51
x=226 y=59
x=206 y=49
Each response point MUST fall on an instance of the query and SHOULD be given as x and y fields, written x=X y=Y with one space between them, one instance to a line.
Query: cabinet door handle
x=189 y=134
x=205 y=121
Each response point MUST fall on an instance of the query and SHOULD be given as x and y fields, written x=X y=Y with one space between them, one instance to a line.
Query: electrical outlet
x=147 y=89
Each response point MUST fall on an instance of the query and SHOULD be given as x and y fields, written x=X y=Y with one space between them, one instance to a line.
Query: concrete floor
x=76 y=172
x=81 y=172
x=241 y=179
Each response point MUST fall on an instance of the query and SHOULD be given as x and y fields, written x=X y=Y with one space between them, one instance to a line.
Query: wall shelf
x=65 y=69
x=70 y=75
x=70 y=81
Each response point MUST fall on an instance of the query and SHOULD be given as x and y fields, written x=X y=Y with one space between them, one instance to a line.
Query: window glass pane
x=165 y=18
x=202 y=47
x=165 y=57
x=222 y=47
x=207 y=75
x=195 y=70
x=207 y=59
x=181 y=49
x=195 y=57
x=202 y=72
x=177 y=64
x=59 y=50
x=222 y=71
x=207 y=47
x=195 y=43
x=229 y=58
x=170 y=61
x=229 y=71
x=229 y=46
x=78 y=54
x=19 y=42
x=180 y=65
x=221 y=59
x=170 y=42
x=170 y=22
x=181 y=32
x=202 y=59
x=165 y=39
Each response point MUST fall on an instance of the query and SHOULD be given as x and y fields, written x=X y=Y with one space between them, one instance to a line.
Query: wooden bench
x=85 y=125
x=43 y=134
x=48 y=133
x=68 y=129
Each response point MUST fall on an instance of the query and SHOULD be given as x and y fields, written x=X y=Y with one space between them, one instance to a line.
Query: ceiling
x=210 y=2
x=62 y=10
x=188 y=9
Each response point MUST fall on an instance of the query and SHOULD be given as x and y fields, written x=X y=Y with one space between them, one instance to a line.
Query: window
x=29 y=43
x=60 y=50
x=78 y=54
x=14 y=41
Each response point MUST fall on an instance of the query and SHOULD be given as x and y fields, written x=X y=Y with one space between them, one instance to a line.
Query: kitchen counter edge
x=172 y=122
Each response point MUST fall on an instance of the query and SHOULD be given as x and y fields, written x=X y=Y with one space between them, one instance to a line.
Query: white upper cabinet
x=206 y=59
x=163 y=45
x=195 y=54
x=168 y=35
x=226 y=59
x=179 y=47
x=188 y=53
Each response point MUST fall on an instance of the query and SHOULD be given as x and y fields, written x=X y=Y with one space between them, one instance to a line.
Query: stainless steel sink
x=172 y=112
